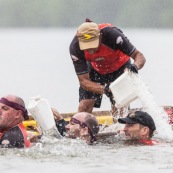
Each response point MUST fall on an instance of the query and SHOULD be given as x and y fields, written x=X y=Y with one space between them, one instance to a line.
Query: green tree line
x=71 y=13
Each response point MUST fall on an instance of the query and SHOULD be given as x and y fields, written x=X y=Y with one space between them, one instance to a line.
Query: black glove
x=133 y=68
x=109 y=94
x=61 y=126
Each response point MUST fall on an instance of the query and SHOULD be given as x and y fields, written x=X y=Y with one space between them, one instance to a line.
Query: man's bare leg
x=118 y=112
x=86 y=105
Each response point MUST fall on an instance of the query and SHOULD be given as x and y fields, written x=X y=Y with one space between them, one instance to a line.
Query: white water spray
x=163 y=128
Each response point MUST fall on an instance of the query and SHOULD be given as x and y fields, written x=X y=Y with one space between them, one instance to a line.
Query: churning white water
x=37 y=62
x=163 y=128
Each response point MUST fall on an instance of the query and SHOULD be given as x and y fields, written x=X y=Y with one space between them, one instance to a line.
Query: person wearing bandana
x=12 y=132
x=82 y=125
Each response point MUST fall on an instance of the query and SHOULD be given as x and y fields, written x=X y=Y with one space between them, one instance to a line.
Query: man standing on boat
x=100 y=54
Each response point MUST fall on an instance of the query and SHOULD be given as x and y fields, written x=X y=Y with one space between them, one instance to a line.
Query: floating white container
x=124 y=90
x=42 y=113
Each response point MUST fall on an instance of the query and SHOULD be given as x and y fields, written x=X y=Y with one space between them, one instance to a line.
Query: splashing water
x=163 y=128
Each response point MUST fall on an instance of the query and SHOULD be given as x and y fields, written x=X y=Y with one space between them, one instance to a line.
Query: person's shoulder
x=14 y=131
x=110 y=29
x=12 y=138
x=110 y=34
x=74 y=41
x=74 y=45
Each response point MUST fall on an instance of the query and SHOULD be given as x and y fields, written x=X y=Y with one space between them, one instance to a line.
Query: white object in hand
x=124 y=90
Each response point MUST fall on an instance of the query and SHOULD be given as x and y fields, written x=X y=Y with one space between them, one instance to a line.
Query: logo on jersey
x=5 y=142
x=119 y=40
x=74 y=58
x=99 y=59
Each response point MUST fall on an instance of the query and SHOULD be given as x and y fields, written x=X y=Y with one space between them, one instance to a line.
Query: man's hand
x=56 y=114
x=107 y=91
x=109 y=94
x=133 y=68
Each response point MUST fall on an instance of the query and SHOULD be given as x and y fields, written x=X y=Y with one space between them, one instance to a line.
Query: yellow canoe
x=103 y=117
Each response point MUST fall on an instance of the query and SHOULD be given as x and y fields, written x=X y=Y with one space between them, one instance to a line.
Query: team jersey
x=15 y=137
x=112 y=38
x=148 y=142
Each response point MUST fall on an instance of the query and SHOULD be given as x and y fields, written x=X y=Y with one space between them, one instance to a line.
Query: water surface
x=37 y=62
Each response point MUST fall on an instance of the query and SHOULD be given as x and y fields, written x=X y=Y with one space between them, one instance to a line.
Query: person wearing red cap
x=100 y=54
x=12 y=114
x=139 y=127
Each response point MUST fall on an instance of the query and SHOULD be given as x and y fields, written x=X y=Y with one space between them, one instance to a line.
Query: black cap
x=139 y=117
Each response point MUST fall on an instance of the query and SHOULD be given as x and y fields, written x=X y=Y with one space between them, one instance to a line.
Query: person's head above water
x=138 y=125
x=12 y=111
x=83 y=125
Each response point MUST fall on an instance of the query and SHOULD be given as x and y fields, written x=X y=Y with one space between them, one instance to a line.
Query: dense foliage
x=70 y=13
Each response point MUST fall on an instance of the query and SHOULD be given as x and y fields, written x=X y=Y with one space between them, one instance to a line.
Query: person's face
x=133 y=131
x=7 y=116
x=74 y=130
x=92 y=51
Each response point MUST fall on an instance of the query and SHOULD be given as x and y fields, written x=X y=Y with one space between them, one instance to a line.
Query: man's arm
x=117 y=40
x=88 y=85
x=139 y=59
x=60 y=122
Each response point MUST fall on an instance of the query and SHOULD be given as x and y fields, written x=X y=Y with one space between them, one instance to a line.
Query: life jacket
x=106 y=60
x=27 y=142
x=1 y=134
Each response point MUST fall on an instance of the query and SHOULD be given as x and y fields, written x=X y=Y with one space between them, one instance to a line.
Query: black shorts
x=101 y=79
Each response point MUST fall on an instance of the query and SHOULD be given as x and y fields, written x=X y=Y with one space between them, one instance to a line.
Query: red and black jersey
x=148 y=142
x=15 y=137
x=115 y=51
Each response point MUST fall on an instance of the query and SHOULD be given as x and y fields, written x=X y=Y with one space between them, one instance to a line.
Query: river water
x=37 y=62
x=75 y=156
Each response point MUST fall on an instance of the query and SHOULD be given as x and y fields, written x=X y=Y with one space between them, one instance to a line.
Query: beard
x=73 y=134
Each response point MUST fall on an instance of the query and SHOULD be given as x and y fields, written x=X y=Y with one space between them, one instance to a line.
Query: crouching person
x=12 y=113
x=82 y=125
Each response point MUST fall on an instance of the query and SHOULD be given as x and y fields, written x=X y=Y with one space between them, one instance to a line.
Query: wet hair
x=151 y=132
x=17 y=103
x=92 y=123
x=15 y=99
x=20 y=101
x=88 y=20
